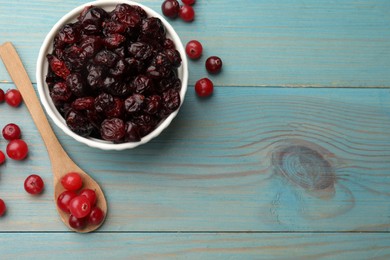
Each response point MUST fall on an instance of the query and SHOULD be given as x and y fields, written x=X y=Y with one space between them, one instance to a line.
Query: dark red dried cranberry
x=106 y=58
x=158 y=72
x=153 y=104
x=93 y=13
x=68 y=34
x=126 y=14
x=91 y=45
x=171 y=100
x=112 y=129
x=58 y=66
x=152 y=29
x=84 y=103
x=140 y=51
x=111 y=27
x=113 y=40
x=60 y=92
x=119 y=69
x=104 y=102
x=119 y=89
x=78 y=123
x=134 y=103
x=116 y=110
x=142 y=84
x=132 y=132
x=173 y=57
x=146 y=124
x=95 y=76
x=168 y=44
x=75 y=56
x=76 y=84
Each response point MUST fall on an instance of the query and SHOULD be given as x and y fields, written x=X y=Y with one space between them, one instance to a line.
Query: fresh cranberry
x=194 y=49
x=34 y=184
x=170 y=8
x=90 y=194
x=11 y=132
x=188 y=2
x=96 y=216
x=2 y=95
x=80 y=206
x=2 y=157
x=187 y=13
x=3 y=208
x=204 y=87
x=13 y=97
x=213 y=64
x=72 y=181
x=77 y=223
x=17 y=149
x=64 y=198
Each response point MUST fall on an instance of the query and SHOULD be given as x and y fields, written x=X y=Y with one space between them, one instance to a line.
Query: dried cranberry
x=68 y=34
x=119 y=69
x=111 y=27
x=76 y=84
x=132 y=132
x=142 y=84
x=104 y=102
x=119 y=89
x=140 y=50
x=146 y=123
x=153 y=104
x=75 y=56
x=60 y=92
x=79 y=123
x=134 y=103
x=58 y=66
x=173 y=57
x=93 y=13
x=91 y=45
x=84 y=103
x=95 y=76
x=152 y=29
x=113 y=129
x=116 y=110
x=126 y=14
x=113 y=40
x=106 y=58
x=171 y=100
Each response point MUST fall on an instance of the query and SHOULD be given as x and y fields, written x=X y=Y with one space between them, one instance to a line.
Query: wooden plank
x=247 y=159
x=263 y=43
x=195 y=246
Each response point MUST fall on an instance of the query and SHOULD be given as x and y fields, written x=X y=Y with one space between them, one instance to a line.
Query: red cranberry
x=3 y=208
x=204 y=87
x=2 y=157
x=90 y=194
x=80 y=206
x=2 y=95
x=96 y=216
x=11 y=132
x=13 y=97
x=64 y=198
x=34 y=184
x=72 y=181
x=170 y=8
x=77 y=223
x=213 y=64
x=17 y=149
x=188 y=2
x=187 y=13
x=194 y=49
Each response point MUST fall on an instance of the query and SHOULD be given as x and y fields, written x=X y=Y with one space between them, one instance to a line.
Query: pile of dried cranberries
x=113 y=75
x=81 y=205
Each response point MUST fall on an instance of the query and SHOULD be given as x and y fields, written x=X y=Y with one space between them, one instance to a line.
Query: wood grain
x=215 y=168
x=262 y=43
x=197 y=246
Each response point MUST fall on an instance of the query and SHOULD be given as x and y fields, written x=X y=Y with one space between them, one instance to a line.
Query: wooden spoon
x=60 y=161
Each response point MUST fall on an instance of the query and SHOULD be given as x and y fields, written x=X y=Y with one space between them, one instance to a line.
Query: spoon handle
x=20 y=77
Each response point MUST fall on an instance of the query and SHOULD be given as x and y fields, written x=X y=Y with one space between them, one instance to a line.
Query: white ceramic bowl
x=42 y=68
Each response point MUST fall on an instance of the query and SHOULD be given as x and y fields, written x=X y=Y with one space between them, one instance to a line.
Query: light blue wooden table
x=290 y=158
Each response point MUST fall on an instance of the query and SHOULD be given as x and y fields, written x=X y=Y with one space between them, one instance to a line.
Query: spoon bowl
x=60 y=161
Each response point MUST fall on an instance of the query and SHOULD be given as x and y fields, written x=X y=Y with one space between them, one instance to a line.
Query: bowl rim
x=52 y=111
